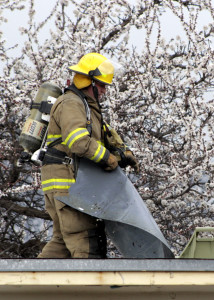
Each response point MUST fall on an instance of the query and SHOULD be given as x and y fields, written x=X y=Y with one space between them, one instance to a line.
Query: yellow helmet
x=95 y=66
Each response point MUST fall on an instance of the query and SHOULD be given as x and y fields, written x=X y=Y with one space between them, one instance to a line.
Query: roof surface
x=105 y=265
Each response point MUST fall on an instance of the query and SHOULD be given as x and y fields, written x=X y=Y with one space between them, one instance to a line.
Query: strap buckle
x=68 y=160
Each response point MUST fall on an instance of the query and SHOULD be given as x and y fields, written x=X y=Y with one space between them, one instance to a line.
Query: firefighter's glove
x=132 y=161
x=111 y=163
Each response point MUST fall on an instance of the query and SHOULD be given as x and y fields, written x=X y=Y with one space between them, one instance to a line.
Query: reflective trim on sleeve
x=57 y=183
x=75 y=135
x=52 y=138
x=99 y=154
x=101 y=143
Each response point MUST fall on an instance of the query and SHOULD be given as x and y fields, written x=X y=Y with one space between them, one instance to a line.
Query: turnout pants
x=75 y=234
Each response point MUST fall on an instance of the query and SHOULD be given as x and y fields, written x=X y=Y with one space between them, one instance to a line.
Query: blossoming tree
x=161 y=103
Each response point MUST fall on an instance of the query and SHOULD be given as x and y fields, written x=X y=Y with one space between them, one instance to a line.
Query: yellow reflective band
x=75 y=135
x=58 y=180
x=102 y=155
x=71 y=133
x=95 y=154
x=101 y=143
x=66 y=187
x=99 y=154
x=57 y=183
x=50 y=136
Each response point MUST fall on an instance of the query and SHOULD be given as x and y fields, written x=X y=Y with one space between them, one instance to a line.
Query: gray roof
x=94 y=265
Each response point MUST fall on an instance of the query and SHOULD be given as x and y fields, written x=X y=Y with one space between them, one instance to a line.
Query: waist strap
x=54 y=156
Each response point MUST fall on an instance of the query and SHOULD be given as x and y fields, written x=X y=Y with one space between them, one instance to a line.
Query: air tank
x=35 y=127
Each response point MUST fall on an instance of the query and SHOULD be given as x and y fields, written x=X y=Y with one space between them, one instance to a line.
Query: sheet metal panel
x=112 y=197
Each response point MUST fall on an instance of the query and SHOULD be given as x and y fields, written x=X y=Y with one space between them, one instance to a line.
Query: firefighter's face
x=101 y=89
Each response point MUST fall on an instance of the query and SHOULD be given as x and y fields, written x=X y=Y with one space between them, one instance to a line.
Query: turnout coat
x=68 y=122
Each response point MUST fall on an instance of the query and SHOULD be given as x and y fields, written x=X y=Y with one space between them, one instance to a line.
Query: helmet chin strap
x=95 y=90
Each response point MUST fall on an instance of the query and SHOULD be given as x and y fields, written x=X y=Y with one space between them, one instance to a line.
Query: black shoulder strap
x=43 y=107
x=79 y=93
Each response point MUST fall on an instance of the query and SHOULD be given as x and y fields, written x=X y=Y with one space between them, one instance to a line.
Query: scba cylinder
x=35 y=127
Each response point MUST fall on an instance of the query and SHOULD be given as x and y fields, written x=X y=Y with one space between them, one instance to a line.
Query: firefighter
x=76 y=130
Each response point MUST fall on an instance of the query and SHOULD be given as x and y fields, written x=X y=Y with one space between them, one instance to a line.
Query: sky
x=170 y=26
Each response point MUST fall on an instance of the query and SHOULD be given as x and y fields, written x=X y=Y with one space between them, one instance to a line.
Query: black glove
x=132 y=161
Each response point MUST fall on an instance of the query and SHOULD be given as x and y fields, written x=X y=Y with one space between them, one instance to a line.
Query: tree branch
x=27 y=211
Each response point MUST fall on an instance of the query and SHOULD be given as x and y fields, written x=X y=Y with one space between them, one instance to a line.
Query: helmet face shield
x=106 y=72
x=108 y=69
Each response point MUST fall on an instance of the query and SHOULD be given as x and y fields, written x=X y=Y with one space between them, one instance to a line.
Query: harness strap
x=82 y=96
x=54 y=156
x=43 y=107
